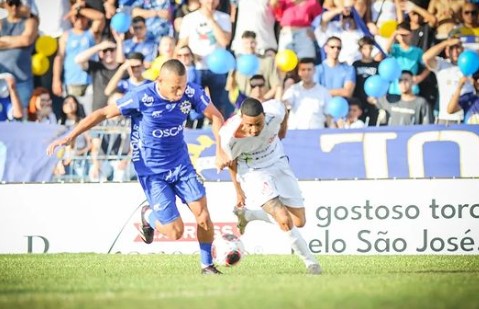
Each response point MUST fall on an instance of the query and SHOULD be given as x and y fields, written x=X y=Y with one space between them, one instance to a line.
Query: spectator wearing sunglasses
x=338 y=77
x=139 y=42
x=470 y=23
x=101 y=71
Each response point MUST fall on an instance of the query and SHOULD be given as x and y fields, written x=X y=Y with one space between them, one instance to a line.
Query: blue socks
x=151 y=218
x=205 y=254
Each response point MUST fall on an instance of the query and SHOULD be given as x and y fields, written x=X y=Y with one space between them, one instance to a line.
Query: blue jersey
x=157 y=138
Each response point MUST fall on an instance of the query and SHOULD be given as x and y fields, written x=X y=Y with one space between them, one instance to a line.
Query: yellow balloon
x=286 y=60
x=46 y=45
x=387 y=28
x=150 y=74
x=40 y=64
x=158 y=62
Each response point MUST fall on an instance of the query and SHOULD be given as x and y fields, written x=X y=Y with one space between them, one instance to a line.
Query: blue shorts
x=161 y=191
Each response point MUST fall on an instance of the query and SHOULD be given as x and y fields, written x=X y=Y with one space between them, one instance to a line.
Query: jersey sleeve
x=200 y=99
x=128 y=104
x=275 y=107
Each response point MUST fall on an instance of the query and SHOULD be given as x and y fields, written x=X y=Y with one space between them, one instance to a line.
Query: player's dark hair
x=251 y=107
x=174 y=66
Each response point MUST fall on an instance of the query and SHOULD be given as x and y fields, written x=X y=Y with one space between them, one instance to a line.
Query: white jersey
x=259 y=151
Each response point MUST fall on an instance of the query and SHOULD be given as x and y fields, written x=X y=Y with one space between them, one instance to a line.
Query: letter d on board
x=46 y=243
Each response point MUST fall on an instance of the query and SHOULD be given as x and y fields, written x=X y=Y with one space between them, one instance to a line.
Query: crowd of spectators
x=339 y=43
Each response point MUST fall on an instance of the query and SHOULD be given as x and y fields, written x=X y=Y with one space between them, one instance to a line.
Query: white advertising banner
x=439 y=216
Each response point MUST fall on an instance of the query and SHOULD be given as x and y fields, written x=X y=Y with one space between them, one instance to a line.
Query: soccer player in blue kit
x=159 y=153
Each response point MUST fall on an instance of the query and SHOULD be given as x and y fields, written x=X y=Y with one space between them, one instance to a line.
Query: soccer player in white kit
x=261 y=173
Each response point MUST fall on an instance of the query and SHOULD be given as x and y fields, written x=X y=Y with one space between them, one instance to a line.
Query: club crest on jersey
x=190 y=92
x=147 y=100
x=185 y=107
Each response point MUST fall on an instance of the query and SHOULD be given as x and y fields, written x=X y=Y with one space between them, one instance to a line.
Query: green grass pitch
x=260 y=281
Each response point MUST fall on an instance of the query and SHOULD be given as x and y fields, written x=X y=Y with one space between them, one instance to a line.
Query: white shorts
x=264 y=184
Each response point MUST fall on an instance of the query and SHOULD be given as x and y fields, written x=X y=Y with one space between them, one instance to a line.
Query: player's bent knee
x=204 y=221
x=175 y=234
x=175 y=230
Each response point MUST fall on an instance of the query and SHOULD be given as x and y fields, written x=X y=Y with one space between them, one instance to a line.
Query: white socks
x=257 y=214
x=298 y=244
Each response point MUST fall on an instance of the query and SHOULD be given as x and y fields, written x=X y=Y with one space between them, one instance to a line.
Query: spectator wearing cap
x=17 y=37
x=408 y=56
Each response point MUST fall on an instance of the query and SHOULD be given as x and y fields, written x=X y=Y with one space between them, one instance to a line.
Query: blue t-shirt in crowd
x=157 y=137
x=410 y=60
x=334 y=77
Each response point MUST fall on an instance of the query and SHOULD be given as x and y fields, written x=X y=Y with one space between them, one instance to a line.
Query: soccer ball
x=227 y=250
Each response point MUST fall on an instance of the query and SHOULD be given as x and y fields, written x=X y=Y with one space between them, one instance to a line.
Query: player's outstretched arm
x=90 y=121
x=240 y=196
x=217 y=120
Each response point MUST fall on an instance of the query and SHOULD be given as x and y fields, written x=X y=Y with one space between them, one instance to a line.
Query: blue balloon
x=247 y=64
x=220 y=61
x=120 y=22
x=375 y=86
x=468 y=62
x=389 y=69
x=337 y=107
